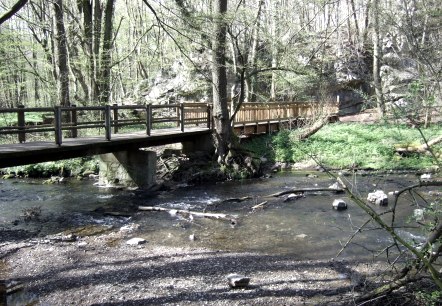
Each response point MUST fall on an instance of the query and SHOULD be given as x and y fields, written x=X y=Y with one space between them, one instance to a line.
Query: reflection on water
x=307 y=227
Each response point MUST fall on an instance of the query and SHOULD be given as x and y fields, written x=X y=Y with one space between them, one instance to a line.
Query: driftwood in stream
x=260 y=205
x=191 y=214
x=302 y=190
x=237 y=200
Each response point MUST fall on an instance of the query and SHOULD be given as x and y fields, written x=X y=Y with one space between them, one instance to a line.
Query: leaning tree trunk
x=222 y=133
x=62 y=56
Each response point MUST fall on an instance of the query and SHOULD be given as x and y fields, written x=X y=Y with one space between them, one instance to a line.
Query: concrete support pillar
x=202 y=143
x=134 y=168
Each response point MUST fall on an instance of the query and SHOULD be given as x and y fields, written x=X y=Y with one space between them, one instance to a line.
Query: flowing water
x=307 y=228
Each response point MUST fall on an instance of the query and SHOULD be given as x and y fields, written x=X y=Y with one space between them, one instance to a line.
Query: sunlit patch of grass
x=348 y=145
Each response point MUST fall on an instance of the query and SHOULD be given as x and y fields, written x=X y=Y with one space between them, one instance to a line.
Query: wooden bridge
x=67 y=132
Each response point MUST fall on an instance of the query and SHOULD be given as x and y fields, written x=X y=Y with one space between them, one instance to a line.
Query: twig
x=187 y=213
x=260 y=205
x=237 y=200
x=298 y=190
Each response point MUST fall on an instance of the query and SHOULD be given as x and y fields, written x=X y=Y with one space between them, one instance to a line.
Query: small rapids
x=307 y=227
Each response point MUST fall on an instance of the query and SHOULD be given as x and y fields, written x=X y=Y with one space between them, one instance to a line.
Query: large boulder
x=180 y=82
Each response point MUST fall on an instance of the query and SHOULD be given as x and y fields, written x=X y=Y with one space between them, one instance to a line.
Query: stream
x=306 y=228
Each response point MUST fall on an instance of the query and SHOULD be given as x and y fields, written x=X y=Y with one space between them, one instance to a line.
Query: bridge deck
x=39 y=151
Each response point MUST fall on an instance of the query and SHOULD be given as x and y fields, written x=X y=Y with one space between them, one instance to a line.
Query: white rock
x=339 y=204
x=426 y=176
x=136 y=241
x=129 y=228
x=418 y=214
x=378 y=197
x=335 y=186
x=291 y=197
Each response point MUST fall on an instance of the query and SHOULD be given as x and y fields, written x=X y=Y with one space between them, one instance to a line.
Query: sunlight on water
x=307 y=227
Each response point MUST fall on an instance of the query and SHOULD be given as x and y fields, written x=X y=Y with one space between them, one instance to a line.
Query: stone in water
x=136 y=241
x=238 y=281
x=378 y=197
x=339 y=204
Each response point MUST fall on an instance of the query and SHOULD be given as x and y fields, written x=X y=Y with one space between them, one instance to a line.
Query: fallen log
x=314 y=128
x=191 y=214
x=302 y=190
x=418 y=148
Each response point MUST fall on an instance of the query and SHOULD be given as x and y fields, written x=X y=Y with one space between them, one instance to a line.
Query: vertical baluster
x=182 y=116
x=107 y=121
x=148 y=119
x=57 y=125
x=208 y=115
x=74 y=130
x=115 y=109
x=21 y=123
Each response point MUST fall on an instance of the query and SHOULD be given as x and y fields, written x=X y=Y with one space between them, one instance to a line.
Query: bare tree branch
x=17 y=6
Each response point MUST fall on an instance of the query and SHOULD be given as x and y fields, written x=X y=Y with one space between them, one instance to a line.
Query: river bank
x=104 y=270
x=285 y=249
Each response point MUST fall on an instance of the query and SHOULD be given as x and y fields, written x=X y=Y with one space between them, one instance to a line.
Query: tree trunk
x=62 y=56
x=88 y=28
x=377 y=54
x=105 y=63
x=274 y=29
x=250 y=93
x=94 y=58
x=219 y=79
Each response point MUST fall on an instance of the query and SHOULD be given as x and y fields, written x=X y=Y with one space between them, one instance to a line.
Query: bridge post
x=107 y=121
x=57 y=125
x=148 y=119
x=182 y=116
x=21 y=123
x=115 y=108
x=208 y=115
x=74 y=131
x=134 y=168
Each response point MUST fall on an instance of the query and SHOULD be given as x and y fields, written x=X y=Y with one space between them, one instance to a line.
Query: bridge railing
x=70 y=120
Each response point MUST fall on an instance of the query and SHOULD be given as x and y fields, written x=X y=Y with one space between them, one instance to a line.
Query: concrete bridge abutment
x=134 y=168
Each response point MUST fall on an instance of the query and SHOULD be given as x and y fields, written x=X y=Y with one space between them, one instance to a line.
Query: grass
x=68 y=167
x=349 y=145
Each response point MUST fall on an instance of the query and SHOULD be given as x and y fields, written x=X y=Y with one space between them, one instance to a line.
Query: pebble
x=136 y=241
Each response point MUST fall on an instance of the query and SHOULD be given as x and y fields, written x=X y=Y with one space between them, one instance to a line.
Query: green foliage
x=429 y=298
x=341 y=146
x=261 y=146
x=68 y=167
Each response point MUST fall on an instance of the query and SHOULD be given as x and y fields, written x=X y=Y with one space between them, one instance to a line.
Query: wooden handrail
x=180 y=114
